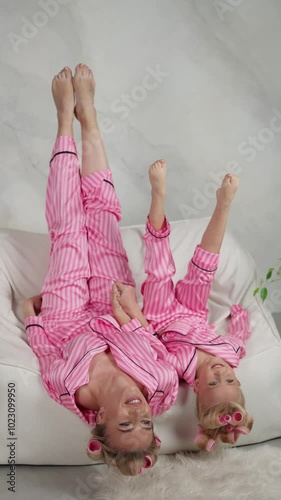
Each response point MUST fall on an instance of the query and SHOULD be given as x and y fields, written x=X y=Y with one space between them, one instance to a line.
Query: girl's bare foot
x=63 y=95
x=157 y=177
x=227 y=191
x=84 y=86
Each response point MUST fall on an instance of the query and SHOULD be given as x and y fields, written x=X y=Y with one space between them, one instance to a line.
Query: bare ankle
x=65 y=128
x=88 y=119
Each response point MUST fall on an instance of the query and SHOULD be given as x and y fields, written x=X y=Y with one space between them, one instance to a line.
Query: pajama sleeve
x=134 y=325
x=239 y=325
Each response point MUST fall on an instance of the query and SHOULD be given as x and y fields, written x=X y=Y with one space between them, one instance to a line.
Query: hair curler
x=157 y=440
x=94 y=446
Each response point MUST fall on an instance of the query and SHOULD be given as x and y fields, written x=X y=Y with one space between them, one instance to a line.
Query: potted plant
x=272 y=275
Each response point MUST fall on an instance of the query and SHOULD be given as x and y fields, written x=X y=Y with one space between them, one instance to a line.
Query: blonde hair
x=128 y=462
x=211 y=429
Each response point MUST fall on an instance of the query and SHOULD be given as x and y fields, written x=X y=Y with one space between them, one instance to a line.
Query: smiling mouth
x=217 y=365
x=133 y=401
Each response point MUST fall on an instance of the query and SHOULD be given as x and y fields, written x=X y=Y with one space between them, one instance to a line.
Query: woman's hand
x=126 y=297
x=32 y=306
x=118 y=311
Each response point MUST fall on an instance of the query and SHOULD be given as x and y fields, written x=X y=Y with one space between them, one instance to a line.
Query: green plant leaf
x=256 y=291
x=269 y=273
x=279 y=271
x=263 y=294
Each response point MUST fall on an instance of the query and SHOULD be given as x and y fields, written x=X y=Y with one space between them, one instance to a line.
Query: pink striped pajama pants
x=163 y=303
x=87 y=252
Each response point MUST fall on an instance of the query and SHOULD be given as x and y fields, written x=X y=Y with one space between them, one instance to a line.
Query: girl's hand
x=118 y=311
x=126 y=297
x=32 y=306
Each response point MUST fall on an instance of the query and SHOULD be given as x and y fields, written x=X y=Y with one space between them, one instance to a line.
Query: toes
x=64 y=73
x=83 y=70
x=79 y=68
x=67 y=71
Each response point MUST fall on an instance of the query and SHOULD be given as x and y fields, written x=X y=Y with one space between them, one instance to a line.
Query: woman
x=96 y=359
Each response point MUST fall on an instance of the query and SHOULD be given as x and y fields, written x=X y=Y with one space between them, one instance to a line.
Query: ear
x=195 y=387
x=239 y=383
x=100 y=416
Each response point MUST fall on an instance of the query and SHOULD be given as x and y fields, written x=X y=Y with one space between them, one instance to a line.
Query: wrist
x=29 y=312
x=122 y=318
x=132 y=310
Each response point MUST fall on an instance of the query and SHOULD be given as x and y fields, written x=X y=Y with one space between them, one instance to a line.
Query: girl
x=202 y=358
x=97 y=360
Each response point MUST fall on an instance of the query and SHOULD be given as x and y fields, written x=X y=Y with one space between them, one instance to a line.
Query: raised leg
x=65 y=290
x=193 y=291
x=107 y=257
x=93 y=152
x=160 y=306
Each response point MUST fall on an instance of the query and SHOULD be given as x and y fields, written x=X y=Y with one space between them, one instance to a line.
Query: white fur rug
x=235 y=474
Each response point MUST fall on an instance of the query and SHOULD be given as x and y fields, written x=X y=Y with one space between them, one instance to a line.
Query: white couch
x=46 y=432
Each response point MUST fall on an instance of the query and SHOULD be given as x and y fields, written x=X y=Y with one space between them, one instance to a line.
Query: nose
x=220 y=369
x=136 y=415
x=136 y=411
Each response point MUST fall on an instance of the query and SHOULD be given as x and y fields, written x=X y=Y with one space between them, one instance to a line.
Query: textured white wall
x=195 y=82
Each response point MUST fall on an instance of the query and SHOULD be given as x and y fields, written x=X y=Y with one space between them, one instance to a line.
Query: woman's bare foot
x=63 y=95
x=84 y=86
x=227 y=191
x=157 y=177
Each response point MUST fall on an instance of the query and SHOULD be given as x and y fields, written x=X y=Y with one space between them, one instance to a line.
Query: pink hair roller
x=237 y=417
x=148 y=464
x=199 y=436
x=94 y=446
x=242 y=429
x=157 y=440
x=210 y=444
x=229 y=428
x=223 y=419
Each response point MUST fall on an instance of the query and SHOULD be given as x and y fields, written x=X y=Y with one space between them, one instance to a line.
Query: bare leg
x=157 y=176
x=63 y=95
x=93 y=153
x=213 y=236
x=65 y=290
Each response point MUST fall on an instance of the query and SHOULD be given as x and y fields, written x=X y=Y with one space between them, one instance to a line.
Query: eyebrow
x=214 y=386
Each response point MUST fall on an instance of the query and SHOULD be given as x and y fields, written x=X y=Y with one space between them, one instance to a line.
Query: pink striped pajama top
x=65 y=368
x=180 y=313
x=76 y=323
